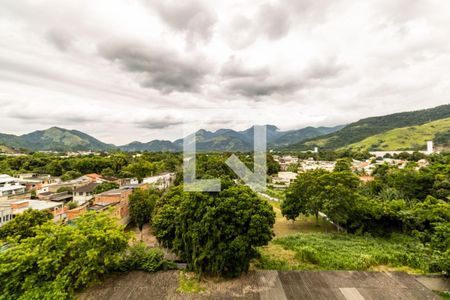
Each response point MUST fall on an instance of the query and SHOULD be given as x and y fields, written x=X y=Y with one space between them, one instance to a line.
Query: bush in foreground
x=60 y=259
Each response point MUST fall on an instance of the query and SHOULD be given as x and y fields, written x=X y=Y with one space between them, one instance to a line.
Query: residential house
x=84 y=193
x=286 y=161
x=117 y=198
x=33 y=181
x=284 y=178
x=10 y=186
x=5 y=215
x=63 y=197
x=76 y=212
x=311 y=164
x=54 y=187
x=161 y=181
x=12 y=207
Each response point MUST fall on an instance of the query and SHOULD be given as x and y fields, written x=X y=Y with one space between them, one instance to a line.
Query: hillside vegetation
x=407 y=138
x=55 y=139
x=358 y=131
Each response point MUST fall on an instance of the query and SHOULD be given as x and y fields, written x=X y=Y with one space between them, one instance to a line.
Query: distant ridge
x=63 y=140
x=362 y=129
x=385 y=131
x=55 y=139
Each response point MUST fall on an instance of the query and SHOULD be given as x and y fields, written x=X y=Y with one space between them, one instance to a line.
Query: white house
x=285 y=178
x=10 y=186
x=161 y=181
x=5 y=215
x=11 y=208
x=84 y=193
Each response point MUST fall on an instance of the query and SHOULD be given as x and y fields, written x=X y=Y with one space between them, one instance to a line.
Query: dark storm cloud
x=158 y=123
x=60 y=39
x=189 y=16
x=161 y=69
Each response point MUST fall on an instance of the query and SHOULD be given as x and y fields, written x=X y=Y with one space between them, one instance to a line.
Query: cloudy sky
x=125 y=70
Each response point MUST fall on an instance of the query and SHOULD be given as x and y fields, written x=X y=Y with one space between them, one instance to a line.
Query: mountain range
x=60 y=139
x=400 y=131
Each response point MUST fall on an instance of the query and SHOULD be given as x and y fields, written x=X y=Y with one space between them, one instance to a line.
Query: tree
x=338 y=193
x=343 y=165
x=72 y=205
x=215 y=233
x=142 y=203
x=60 y=259
x=23 y=225
x=69 y=175
x=273 y=166
x=108 y=172
x=302 y=196
x=318 y=190
x=105 y=186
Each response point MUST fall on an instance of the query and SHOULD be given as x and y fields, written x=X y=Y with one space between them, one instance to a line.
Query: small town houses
x=50 y=193
x=363 y=168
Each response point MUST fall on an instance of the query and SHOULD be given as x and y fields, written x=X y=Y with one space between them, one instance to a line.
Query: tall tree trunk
x=317 y=218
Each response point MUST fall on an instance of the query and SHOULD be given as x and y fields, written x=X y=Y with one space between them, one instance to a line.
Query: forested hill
x=362 y=129
x=54 y=139
x=408 y=138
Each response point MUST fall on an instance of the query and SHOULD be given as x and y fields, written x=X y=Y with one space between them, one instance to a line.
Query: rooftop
x=34 y=204
x=88 y=188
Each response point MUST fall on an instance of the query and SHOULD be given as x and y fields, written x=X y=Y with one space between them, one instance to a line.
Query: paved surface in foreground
x=263 y=285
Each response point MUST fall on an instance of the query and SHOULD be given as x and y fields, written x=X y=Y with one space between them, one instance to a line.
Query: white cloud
x=298 y=62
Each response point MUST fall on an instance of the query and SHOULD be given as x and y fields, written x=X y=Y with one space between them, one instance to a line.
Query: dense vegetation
x=54 y=139
x=410 y=201
x=142 y=203
x=365 y=128
x=117 y=164
x=401 y=219
x=214 y=233
x=22 y=226
x=320 y=251
x=407 y=138
x=57 y=259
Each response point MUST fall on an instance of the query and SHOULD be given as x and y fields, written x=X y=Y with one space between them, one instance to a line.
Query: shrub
x=141 y=257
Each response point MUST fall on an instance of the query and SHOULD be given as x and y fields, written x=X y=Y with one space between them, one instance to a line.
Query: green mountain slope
x=407 y=138
x=7 y=150
x=55 y=139
x=362 y=129
x=154 y=146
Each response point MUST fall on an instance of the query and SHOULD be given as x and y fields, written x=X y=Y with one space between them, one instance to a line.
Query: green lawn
x=332 y=251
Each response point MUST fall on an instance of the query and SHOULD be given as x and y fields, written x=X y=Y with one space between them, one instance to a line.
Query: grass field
x=406 y=138
x=284 y=227
x=332 y=251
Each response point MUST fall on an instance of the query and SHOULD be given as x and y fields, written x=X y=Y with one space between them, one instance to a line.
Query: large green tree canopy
x=60 y=259
x=215 y=233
